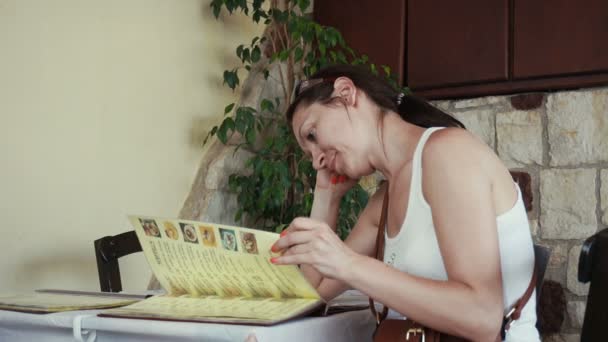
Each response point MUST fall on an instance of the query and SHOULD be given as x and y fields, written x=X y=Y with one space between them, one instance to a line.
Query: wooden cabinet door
x=371 y=27
x=456 y=42
x=559 y=37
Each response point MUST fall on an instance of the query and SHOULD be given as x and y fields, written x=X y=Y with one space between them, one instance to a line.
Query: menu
x=217 y=273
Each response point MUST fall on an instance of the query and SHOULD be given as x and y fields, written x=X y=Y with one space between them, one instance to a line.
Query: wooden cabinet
x=448 y=49
x=444 y=38
x=559 y=37
x=377 y=31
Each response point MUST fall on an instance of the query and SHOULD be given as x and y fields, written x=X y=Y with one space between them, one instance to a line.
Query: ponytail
x=421 y=113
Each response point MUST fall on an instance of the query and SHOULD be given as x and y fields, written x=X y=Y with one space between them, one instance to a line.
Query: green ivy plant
x=277 y=182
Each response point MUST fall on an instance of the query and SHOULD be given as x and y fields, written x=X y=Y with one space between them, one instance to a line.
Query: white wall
x=102 y=109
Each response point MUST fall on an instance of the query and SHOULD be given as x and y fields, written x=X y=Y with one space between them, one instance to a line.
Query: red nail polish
x=273 y=249
x=273 y=260
x=342 y=179
x=333 y=179
x=283 y=233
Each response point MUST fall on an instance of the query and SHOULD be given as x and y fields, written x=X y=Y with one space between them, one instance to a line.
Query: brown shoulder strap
x=380 y=254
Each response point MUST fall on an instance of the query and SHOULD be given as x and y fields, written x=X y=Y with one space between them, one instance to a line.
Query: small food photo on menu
x=171 y=231
x=249 y=243
x=150 y=227
x=189 y=232
x=207 y=236
x=228 y=239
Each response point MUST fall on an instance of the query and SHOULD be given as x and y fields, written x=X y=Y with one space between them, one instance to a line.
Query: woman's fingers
x=297 y=249
x=291 y=239
x=293 y=234
x=293 y=259
x=305 y=223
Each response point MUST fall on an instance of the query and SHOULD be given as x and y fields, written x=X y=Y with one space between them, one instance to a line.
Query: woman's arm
x=361 y=239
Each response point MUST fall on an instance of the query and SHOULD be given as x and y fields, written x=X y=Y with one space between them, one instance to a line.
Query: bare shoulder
x=456 y=146
x=454 y=157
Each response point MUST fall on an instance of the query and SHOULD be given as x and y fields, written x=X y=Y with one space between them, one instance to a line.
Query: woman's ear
x=346 y=90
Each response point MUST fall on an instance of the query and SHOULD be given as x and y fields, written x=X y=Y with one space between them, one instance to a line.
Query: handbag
x=410 y=330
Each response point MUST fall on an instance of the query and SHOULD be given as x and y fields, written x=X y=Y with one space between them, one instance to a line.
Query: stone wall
x=561 y=140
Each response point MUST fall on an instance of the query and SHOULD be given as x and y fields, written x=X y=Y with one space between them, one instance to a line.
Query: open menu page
x=212 y=270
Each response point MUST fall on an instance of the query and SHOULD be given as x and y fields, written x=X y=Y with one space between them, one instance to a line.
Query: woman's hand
x=333 y=183
x=311 y=242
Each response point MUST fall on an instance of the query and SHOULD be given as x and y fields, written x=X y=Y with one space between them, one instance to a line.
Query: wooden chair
x=108 y=250
x=593 y=268
x=542 y=254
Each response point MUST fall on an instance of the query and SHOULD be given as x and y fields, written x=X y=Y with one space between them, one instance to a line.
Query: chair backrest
x=593 y=267
x=541 y=260
x=541 y=254
x=108 y=250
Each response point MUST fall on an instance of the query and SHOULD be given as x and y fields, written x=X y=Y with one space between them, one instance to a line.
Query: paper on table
x=51 y=302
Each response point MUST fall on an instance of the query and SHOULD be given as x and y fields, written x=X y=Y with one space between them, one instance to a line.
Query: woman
x=458 y=247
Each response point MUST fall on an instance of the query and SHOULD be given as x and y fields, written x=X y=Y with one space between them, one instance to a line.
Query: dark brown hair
x=409 y=107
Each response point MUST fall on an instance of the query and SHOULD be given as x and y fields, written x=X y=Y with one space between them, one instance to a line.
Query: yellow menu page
x=213 y=271
x=213 y=308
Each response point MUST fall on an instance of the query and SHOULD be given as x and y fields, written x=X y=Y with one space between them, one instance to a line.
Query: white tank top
x=415 y=249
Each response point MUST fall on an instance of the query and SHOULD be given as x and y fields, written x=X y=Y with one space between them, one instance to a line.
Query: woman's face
x=333 y=137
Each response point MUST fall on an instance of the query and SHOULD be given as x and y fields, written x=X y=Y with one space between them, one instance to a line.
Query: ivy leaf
x=255 y=54
x=332 y=36
x=266 y=170
x=242 y=4
x=387 y=70
x=240 y=123
x=267 y=105
x=209 y=135
x=373 y=69
x=303 y=4
x=222 y=132
x=341 y=57
x=257 y=15
x=333 y=56
x=246 y=57
x=298 y=54
x=283 y=55
x=231 y=79
x=278 y=193
x=216 y=5
x=250 y=136
x=322 y=48
x=228 y=108
x=257 y=4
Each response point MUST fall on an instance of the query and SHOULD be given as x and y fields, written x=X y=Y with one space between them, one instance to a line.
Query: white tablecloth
x=15 y=326
x=55 y=327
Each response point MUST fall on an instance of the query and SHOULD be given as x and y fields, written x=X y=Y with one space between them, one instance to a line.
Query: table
x=55 y=327
x=16 y=326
